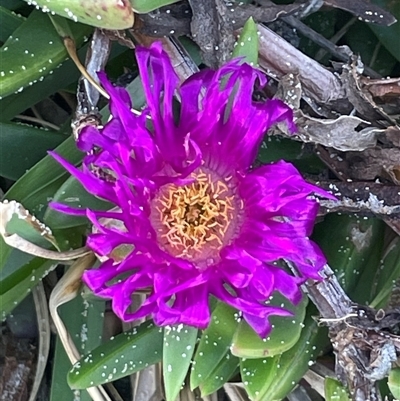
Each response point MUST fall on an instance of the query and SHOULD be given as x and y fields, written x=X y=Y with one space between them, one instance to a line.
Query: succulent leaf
x=121 y=356
x=334 y=390
x=353 y=247
x=107 y=14
x=273 y=378
x=25 y=61
x=394 y=382
x=178 y=348
x=214 y=345
x=285 y=332
x=220 y=375
x=247 y=43
x=145 y=6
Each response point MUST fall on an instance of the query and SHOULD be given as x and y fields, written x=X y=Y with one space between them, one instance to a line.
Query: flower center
x=196 y=220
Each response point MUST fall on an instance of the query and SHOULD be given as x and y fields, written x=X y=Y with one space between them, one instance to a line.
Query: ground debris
x=359 y=96
x=366 y=341
x=16 y=369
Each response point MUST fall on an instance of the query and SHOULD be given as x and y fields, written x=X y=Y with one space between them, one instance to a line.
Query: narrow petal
x=189 y=307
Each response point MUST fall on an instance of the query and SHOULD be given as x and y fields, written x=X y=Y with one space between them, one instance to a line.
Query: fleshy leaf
x=107 y=14
x=10 y=299
x=9 y=23
x=334 y=391
x=72 y=194
x=145 y=6
x=285 y=332
x=394 y=382
x=214 y=345
x=353 y=248
x=123 y=355
x=25 y=61
x=220 y=375
x=387 y=274
x=388 y=34
x=33 y=190
x=18 y=158
x=178 y=348
x=84 y=319
x=247 y=43
x=274 y=378
x=40 y=183
x=21 y=272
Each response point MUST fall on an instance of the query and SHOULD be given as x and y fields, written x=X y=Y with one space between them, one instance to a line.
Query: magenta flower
x=194 y=218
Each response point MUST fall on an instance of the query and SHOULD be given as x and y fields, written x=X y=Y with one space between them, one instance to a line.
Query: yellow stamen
x=193 y=220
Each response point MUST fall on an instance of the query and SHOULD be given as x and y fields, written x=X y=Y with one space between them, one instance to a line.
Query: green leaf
x=123 y=355
x=62 y=26
x=38 y=185
x=353 y=247
x=387 y=274
x=12 y=5
x=17 y=267
x=18 y=156
x=363 y=41
x=225 y=369
x=66 y=74
x=84 y=320
x=258 y=375
x=334 y=390
x=26 y=61
x=247 y=44
x=9 y=23
x=21 y=272
x=394 y=382
x=5 y=252
x=192 y=48
x=10 y=299
x=275 y=148
x=179 y=343
x=388 y=35
x=285 y=332
x=73 y=194
x=274 y=377
x=145 y=6
x=107 y=14
x=35 y=187
x=214 y=344
x=323 y=22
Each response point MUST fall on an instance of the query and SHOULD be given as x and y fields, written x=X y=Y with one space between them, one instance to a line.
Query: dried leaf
x=392 y=134
x=373 y=163
x=23 y=231
x=358 y=95
x=65 y=290
x=16 y=220
x=43 y=319
x=339 y=133
x=386 y=87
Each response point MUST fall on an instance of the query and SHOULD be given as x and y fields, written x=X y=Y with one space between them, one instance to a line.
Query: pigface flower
x=194 y=218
